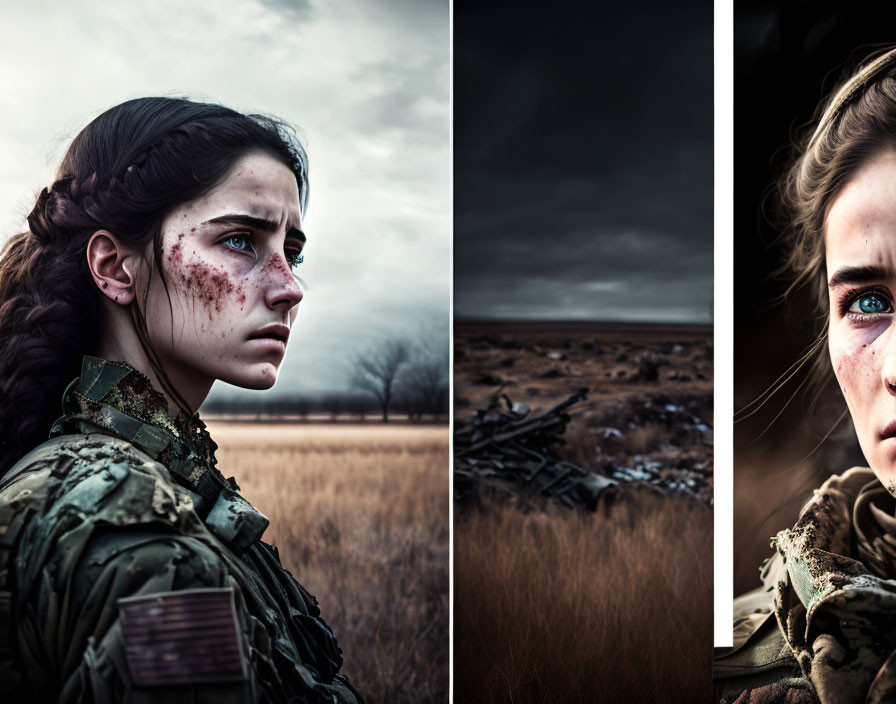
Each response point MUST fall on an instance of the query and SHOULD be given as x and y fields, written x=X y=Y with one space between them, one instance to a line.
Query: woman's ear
x=113 y=266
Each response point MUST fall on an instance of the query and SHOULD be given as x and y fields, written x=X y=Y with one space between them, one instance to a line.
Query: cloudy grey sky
x=366 y=81
x=583 y=160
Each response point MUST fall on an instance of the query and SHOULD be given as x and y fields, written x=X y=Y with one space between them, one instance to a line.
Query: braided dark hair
x=124 y=173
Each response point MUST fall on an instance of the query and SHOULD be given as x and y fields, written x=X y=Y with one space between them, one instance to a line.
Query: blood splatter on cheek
x=208 y=283
x=202 y=281
x=176 y=254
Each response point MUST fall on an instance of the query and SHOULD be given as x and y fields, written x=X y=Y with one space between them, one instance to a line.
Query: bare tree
x=424 y=381
x=425 y=385
x=376 y=370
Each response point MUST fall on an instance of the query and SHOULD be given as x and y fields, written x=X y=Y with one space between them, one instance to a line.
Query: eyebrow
x=857 y=275
x=258 y=223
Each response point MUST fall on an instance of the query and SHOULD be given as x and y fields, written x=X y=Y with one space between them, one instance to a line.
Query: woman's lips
x=271 y=338
x=271 y=332
x=271 y=343
x=889 y=430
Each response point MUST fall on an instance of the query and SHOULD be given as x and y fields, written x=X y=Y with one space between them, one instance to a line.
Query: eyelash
x=853 y=296
x=293 y=256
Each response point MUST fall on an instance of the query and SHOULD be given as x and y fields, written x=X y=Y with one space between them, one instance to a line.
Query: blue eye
x=294 y=257
x=241 y=243
x=870 y=304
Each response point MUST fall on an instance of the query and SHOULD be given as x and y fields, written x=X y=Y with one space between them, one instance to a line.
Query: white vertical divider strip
x=723 y=362
x=451 y=355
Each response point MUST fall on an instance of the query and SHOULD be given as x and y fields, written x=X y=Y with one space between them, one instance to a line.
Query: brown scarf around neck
x=836 y=605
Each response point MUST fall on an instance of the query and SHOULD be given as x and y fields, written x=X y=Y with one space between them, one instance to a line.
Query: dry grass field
x=567 y=606
x=614 y=606
x=360 y=516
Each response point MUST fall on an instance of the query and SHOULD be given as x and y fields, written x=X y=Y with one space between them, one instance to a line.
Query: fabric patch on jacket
x=189 y=636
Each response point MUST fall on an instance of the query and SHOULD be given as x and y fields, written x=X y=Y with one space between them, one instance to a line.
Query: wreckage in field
x=504 y=452
x=508 y=446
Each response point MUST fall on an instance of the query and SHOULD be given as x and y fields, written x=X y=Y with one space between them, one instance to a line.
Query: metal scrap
x=506 y=445
x=502 y=451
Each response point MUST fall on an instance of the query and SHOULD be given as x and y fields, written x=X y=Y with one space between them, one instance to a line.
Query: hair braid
x=48 y=320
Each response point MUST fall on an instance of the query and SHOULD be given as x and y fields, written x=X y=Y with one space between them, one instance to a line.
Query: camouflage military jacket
x=823 y=628
x=132 y=571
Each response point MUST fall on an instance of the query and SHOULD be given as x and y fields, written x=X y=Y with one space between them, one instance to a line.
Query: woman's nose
x=282 y=291
x=888 y=369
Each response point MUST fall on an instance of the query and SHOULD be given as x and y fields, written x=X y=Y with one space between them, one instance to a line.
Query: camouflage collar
x=120 y=386
x=116 y=399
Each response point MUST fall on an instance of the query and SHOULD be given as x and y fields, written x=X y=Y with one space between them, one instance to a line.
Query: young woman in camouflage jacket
x=823 y=626
x=161 y=259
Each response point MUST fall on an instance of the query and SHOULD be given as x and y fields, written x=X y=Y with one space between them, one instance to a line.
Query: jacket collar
x=114 y=398
x=836 y=612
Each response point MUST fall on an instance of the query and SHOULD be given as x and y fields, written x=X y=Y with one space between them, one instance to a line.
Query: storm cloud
x=583 y=160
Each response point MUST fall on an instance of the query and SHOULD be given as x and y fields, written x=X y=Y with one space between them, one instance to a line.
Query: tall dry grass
x=360 y=516
x=566 y=606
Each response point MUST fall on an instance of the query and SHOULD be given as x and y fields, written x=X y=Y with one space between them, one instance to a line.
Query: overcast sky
x=583 y=160
x=366 y=81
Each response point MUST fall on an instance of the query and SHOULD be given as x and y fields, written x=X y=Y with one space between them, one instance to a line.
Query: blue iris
x=872 y=303
x=235 y=241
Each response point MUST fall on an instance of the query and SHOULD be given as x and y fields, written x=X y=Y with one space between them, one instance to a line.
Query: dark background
x=788 y=57
x=583 y=142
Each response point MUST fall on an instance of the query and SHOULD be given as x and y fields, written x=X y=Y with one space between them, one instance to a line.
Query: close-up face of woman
x=229 y=260
x=860 y=244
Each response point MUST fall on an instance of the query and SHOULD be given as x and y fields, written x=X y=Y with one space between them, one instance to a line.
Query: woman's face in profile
x=860 y=252
x=229 y=258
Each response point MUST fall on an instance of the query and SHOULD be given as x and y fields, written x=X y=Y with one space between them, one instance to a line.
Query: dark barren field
x=554 y=604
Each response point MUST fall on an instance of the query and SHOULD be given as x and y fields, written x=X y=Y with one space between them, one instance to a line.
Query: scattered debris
x=503 y=450
x=646 y=425
x=660 y=443
x=505 y=446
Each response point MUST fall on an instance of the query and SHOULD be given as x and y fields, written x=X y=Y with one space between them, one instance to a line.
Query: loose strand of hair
x=167 y=385
x=757 y=404
x=781 y=411
x=837 y=422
